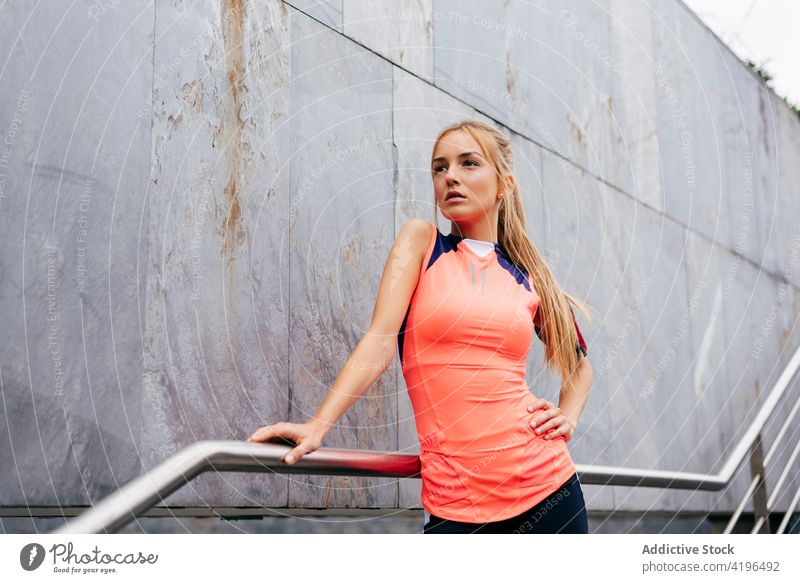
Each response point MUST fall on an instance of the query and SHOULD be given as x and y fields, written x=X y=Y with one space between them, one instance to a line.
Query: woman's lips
x=449 y=198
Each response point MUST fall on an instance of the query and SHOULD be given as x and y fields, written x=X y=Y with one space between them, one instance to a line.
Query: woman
x=462 y=309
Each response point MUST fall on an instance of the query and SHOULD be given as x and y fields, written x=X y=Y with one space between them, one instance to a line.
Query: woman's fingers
x=295 y=455
x=302 y=437
x=537 y=404
x=262 y=433
x=565 y=429
x=539 y=417
x=554 y=421
x=277 y=430
x=306 y=446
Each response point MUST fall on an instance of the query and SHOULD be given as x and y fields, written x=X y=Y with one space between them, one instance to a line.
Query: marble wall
x=198 y=199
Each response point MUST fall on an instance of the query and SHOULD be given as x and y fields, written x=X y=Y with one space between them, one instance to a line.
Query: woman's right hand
x=307 y=437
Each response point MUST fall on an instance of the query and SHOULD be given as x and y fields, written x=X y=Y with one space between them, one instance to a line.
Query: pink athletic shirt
x=463 y=346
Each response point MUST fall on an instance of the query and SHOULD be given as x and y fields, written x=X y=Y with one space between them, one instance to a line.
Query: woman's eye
x=438 y=168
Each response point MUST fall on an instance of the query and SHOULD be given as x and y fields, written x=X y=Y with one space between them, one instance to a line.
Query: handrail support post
x=760 y=510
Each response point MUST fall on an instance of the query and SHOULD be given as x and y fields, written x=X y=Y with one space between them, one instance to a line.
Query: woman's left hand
x=550 y=421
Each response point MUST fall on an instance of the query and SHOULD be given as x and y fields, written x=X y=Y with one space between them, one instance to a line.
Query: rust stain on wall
x=193 y=95
x=351 y=254
x=576 y=132
x=510 y=82
x=232 y=15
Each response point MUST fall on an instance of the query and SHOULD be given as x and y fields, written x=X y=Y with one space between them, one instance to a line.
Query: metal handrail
x=785 y=522
x=759 y=523
x=234 y=456
x=773 y=497
x=138 y=495
x=782 y=383
x=759 y=477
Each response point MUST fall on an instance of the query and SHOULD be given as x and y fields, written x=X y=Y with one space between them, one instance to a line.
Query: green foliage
x=766 y=77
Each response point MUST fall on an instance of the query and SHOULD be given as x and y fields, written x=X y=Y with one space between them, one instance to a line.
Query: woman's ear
x=512 y=182
x=509 y=187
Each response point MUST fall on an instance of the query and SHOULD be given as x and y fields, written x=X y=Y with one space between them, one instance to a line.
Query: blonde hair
x=555 y=307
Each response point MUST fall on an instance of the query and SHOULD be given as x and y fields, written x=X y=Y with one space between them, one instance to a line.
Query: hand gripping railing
x=140 y=494
x=147 y=490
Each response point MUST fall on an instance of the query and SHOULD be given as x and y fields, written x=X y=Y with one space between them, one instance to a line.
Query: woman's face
x=459 y=166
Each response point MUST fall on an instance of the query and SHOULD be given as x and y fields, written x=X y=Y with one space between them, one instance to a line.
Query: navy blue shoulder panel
x=517 y=272
x=401 y=336
x=443 y=244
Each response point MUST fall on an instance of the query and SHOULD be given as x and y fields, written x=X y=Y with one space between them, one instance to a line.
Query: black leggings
x=563 y=512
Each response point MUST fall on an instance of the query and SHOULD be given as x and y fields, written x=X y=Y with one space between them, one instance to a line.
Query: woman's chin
x=466 y=216
x=456 y=214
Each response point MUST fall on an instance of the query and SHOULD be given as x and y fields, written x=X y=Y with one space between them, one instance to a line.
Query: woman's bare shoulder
x=416 y=233
x=400 y=275
x=418 y=226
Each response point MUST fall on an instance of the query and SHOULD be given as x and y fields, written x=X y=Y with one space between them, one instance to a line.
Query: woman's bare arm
x=572 y=402
x=554 y=421
x=374 y=352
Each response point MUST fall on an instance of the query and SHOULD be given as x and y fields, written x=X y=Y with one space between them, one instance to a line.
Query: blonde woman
x=462 y=310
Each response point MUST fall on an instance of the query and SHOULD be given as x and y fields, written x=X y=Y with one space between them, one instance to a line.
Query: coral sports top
x=463 y=346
